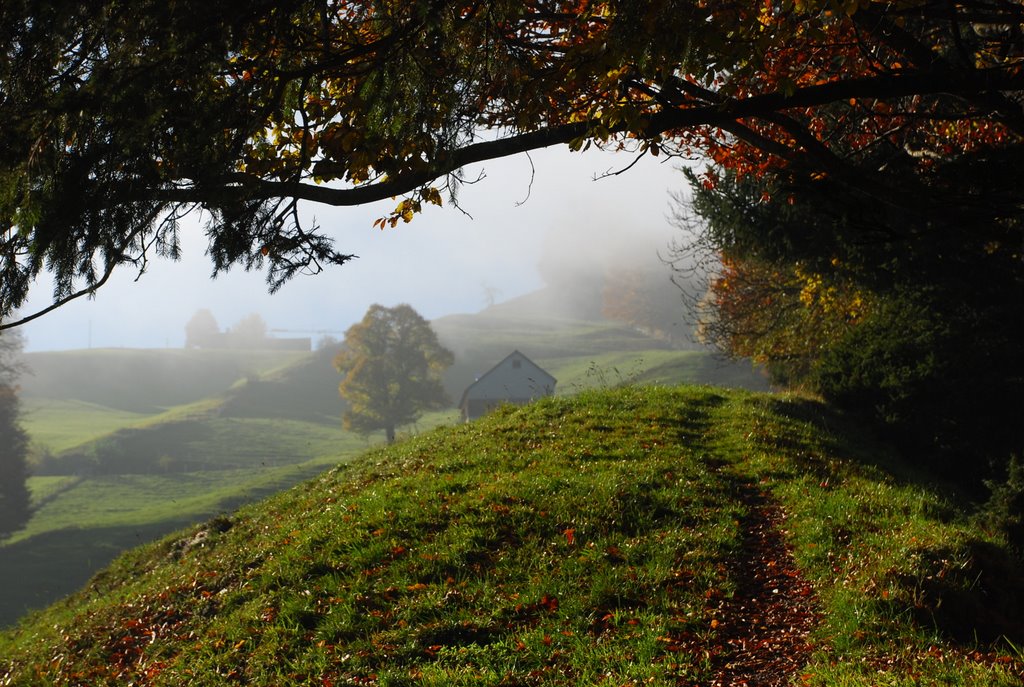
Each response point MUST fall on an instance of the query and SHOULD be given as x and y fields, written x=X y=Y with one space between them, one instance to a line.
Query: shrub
x=1004 y=511
x=943 y=378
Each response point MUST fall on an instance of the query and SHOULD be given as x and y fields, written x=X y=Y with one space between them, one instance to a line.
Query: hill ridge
x=274 y=420
x=580 y=540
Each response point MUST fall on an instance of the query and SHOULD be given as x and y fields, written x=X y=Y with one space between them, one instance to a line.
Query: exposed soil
x=763 y=628
x=760 y=633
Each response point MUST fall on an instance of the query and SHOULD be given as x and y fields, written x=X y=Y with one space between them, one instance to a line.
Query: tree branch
x=961 y=83
x=89 y=290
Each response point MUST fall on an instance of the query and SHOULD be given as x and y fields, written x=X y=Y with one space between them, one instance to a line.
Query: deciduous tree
x=392 y=364
x=121 y=118
x=913 y=324
x=645 y=297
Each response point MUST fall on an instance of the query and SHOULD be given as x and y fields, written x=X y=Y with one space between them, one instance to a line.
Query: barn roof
x=516 y=353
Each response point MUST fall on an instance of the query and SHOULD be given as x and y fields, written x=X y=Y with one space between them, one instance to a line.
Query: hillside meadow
x=138 y=443
x=640 y=535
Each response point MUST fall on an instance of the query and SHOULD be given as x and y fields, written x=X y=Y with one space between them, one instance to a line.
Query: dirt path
x=760 y=633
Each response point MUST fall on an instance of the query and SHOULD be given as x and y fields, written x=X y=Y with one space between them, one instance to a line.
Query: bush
x=1004 y=511
x=944 y=379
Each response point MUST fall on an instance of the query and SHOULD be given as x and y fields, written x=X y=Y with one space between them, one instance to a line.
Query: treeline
x=915 y=322
x=202 y=331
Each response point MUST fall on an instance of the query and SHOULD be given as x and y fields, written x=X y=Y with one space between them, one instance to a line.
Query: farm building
x=516 y=379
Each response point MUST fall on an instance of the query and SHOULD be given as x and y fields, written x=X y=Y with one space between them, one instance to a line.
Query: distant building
x=516 y=379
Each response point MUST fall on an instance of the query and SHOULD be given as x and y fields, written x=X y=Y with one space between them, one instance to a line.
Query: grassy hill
x=579 y=353
x=642 y=535
x=142 y=442
x=144 y=381
x=73 y=397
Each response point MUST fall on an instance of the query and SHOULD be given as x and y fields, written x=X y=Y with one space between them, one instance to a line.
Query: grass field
x=613 y=537
x=140 y=444
x=580 y=354
x=84 y=521
x=60 y=424
x=145 y=381
x=212 y=430
x=655 y=366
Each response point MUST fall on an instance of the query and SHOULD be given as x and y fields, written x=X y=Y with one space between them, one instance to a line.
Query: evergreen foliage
x=1004 y=511
x=913 y=323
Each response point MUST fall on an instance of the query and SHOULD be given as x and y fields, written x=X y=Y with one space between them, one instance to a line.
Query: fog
x=521 y=223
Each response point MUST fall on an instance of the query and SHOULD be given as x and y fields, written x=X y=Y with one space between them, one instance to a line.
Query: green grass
x=118 y=478
x=144 y=381
x=437 y=561
x=655 y=366
x=160 y=476
x=75 y=401
x=175 y=436
x=62 y=424
x=572 y=347
x=85 y=522
x=579 y=540
x=44 y=489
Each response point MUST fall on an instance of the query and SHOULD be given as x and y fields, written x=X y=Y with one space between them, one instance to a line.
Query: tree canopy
x=913 y=323
x=248 y=332
x=121 y=118
x=392 y=364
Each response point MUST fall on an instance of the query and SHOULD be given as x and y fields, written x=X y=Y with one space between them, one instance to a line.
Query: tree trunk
x=390 y=432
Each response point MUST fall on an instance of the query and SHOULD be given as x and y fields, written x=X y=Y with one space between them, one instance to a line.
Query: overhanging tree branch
x=723 y=114
x=258 y=108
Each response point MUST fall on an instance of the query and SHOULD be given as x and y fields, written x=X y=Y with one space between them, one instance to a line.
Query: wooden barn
x=516 y=379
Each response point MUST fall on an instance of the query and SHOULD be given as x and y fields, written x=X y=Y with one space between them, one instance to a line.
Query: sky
x=443 y=262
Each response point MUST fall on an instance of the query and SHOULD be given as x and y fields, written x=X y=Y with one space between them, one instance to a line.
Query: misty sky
x=443 y=262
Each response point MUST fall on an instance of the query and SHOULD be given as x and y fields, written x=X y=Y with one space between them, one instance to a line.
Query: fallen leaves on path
x=759 y=634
